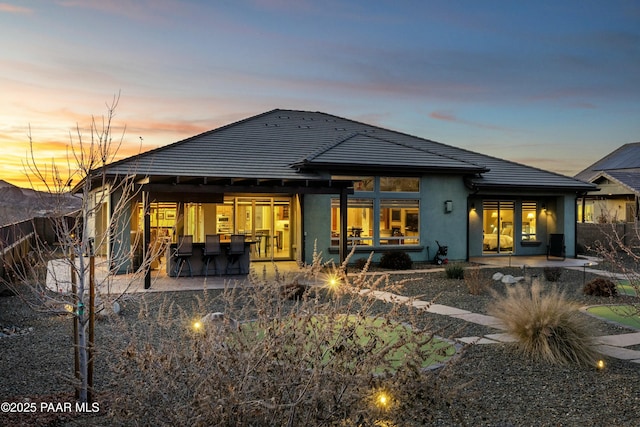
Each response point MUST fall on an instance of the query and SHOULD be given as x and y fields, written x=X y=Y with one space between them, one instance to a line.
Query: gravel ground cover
x=490 y=385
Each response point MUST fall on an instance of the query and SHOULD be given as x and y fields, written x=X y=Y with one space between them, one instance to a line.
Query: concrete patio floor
x=534 y=261
x=58 y=275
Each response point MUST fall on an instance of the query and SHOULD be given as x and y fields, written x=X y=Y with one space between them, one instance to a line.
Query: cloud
x=11 y=8
x=143 y=10
x=449 y=117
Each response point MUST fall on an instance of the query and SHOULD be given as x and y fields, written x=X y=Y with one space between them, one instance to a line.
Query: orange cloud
x=11 y=8
x=448 y=117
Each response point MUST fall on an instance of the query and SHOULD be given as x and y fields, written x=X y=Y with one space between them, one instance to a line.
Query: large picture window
x=399 y=221
x=359 y=221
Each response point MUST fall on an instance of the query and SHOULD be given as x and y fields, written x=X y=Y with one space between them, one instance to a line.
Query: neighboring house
x=299 y=180
x=617 y=177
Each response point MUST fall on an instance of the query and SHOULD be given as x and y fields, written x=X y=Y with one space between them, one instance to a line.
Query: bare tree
x=61 y=277
x=619 y=248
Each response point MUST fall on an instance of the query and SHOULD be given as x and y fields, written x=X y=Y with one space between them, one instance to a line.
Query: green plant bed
x=626 y=288
x=623 y=314
x=376 y=336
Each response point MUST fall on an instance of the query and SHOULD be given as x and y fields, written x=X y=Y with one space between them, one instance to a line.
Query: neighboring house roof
x=626 y=157
x=621 y=166
x=303 y=145
x=629 y=179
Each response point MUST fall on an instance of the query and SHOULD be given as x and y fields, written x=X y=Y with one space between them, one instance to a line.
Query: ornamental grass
x=545 y=324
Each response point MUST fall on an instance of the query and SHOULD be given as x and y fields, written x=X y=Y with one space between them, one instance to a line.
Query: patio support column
x=146 y=209
x=343 y=225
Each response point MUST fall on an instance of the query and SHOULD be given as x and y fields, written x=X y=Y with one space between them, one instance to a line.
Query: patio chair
x=183 y=253
x=235 y=252
x=211 y=251
x=556 y=247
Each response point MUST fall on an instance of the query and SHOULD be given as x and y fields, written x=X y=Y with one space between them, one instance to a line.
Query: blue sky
x=551 y=84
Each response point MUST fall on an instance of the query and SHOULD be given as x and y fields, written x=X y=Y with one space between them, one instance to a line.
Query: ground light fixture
x=600 y=364
x=196 y=325
x=382 y=400
x=333 y=282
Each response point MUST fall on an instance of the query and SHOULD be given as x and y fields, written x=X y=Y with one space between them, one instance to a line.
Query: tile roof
x=291 y=144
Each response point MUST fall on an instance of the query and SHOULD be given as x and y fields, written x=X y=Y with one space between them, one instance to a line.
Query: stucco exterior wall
x=449 y=228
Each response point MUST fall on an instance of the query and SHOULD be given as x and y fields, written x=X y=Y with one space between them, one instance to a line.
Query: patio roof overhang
x=205 y=188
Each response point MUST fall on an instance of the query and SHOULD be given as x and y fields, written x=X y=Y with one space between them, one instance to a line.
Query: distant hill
x=19 y=204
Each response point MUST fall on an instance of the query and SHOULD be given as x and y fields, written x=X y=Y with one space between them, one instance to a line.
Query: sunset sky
x=552 y=84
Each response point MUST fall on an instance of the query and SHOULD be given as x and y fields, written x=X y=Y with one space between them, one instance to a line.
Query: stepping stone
x=446 y=310
x=622 y=340
x=619 y=353
x=480 y=319
x=476 y=340
x=501 y=337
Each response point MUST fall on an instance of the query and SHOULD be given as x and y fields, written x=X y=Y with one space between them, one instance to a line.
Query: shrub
x=552 y=274
x=454 y=271
x=318 y=360
x=360 y=263
x=294 y=290
x=396 y=260
x=475 y=281
x=546 y=326
x=600 y=287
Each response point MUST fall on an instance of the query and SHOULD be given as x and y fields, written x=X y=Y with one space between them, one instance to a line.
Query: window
x=529 y=220
x=398 y=184
x=360 y=183
x=588 y=212
x=399 y=221
x=359 y=221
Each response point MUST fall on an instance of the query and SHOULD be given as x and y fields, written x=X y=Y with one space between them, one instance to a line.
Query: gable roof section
x=361 y=151
x=277 y=144
x=627 y=179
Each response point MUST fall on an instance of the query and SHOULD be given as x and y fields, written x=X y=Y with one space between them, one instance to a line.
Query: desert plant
x=396 y=260
x=454 y=271
x=475 y=281
x=360 y=263
x=546 y=326
x=293 y=290
x=552 y=274
x=600 y=287
x=319 y=360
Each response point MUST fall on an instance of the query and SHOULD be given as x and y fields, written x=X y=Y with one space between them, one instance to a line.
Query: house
x=617 y=177
x=292 y=181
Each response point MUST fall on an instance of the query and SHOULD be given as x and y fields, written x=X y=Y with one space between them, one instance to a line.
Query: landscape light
x=197 y=325
x=600 y=364
x=382 y=400
x=333 y=281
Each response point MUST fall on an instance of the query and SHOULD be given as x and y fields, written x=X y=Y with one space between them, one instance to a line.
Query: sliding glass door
x=498 y=224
